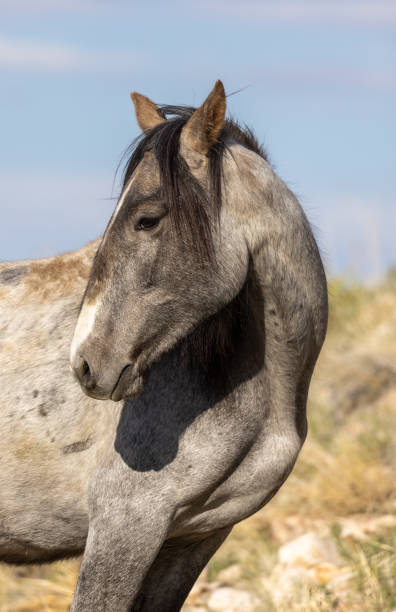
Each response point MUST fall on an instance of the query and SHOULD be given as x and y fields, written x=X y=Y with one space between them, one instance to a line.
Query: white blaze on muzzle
x=84 y=326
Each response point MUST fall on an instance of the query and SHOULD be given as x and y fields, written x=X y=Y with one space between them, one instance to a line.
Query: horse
x=195 y=323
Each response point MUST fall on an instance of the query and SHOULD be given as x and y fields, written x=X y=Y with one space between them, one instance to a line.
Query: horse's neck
x=229 y=346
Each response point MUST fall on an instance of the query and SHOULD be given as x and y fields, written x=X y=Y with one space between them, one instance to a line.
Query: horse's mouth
x=129 y=385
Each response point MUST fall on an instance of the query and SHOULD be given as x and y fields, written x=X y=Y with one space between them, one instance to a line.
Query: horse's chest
x=245 y=489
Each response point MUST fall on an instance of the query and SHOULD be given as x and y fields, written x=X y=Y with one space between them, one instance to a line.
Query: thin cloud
x=345 y=12
x=19 y=7
x=25 y=55
x=319 y=77
x=53 y=57
x=44 y=56
x=39 y=6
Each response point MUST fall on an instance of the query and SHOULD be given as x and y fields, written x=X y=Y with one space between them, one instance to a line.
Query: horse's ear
x=147 y=113
x=203 y=128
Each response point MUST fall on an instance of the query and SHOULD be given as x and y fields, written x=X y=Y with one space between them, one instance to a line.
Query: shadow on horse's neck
x=203 y=370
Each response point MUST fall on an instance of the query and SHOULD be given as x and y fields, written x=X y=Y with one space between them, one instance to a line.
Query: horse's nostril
x=85 y=368
x=87 y=376
x=84 y=373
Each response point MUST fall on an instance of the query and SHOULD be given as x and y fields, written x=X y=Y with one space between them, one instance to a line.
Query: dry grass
x=46 y=588
x=346 y=468
x=356 y=475
x=366 y=582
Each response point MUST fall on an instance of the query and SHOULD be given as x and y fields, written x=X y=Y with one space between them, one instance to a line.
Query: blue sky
x=320 y=92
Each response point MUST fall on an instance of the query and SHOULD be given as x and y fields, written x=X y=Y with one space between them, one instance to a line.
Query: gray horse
x=201 y=311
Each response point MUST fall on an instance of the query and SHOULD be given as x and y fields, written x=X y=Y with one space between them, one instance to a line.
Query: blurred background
x=316 y=79
x=318 y=84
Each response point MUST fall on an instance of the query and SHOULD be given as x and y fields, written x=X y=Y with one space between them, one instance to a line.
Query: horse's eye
x=146 y=223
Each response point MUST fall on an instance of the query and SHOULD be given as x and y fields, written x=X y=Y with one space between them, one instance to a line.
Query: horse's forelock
x=193 y=211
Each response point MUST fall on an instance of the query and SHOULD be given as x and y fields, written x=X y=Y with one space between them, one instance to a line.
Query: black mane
x=192 y=211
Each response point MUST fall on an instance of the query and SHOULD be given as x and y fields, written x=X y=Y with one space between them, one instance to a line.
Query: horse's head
x=170 y=257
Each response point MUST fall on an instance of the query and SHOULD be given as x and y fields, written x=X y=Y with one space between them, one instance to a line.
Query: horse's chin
x=129 y=386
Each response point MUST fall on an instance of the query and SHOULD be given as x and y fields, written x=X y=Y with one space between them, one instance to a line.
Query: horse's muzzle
x=115 y=387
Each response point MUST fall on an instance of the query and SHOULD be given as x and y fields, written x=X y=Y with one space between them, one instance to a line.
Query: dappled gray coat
x=194 y=324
